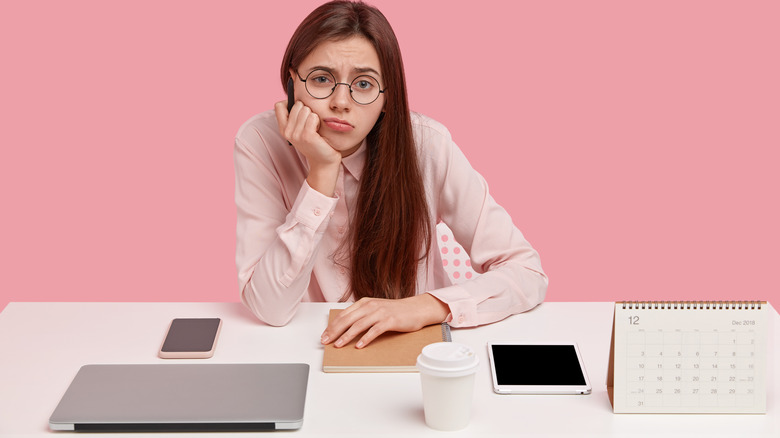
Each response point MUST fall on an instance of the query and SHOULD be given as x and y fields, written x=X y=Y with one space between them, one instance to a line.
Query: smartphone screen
x=191 y=338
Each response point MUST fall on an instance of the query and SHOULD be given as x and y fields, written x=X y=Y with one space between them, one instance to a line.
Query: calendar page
x=689 y=357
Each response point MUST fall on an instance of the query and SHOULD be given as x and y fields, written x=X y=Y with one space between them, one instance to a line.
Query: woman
x=338 y=198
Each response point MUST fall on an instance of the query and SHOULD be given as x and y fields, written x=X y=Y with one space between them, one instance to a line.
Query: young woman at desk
x=338 y=198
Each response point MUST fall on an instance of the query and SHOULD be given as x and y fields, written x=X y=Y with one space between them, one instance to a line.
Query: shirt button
x=342 y=229
x=317 y=212
x=461 y=318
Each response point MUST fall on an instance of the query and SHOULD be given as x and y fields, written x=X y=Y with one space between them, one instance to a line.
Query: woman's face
x=344 y=123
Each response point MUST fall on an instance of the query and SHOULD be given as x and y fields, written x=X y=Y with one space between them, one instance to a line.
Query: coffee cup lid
x=447 y=359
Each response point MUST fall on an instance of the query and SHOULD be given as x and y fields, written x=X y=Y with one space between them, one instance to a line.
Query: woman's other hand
x=377 y=315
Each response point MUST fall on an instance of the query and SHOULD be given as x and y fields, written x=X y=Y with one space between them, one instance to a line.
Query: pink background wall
x=635 y=143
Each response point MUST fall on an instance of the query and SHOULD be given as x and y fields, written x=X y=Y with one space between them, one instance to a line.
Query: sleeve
x=276 y=243
x=512 y=279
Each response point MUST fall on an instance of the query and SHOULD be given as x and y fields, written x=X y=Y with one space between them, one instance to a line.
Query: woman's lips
x=338 y=124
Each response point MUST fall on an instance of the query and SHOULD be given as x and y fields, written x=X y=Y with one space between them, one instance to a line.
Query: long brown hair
x=390 y=233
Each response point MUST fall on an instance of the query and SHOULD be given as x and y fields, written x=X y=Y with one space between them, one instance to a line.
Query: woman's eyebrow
x=321 y=67
x=354 y=70
x=365 y=70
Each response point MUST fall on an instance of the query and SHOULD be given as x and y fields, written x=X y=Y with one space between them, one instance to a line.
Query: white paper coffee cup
x=447 y=376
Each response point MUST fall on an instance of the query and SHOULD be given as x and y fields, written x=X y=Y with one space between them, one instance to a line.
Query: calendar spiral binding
x=696 y=305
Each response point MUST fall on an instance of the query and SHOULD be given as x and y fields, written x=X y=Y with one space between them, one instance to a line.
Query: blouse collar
x=356 y=162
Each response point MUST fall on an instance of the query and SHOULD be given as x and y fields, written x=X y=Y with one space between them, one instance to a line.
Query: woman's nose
x=341 y=97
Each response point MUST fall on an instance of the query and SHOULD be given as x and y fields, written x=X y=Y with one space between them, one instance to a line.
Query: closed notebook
x=391 y=352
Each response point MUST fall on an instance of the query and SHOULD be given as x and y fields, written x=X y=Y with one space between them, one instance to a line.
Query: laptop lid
x=184 y=397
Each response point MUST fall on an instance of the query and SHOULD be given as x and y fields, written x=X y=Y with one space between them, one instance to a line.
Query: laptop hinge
x=175 y=427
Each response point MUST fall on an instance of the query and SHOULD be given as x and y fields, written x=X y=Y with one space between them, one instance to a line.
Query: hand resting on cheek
x=300 y=127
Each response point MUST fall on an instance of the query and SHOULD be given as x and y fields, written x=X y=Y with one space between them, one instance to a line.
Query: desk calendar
x=688 y=357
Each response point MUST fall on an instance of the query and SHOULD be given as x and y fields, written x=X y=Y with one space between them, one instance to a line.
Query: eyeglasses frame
x=336 y=84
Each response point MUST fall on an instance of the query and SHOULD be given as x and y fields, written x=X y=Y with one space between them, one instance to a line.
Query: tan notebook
x=391 y=352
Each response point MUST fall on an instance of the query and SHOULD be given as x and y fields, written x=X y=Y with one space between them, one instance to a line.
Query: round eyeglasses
x=320 y=84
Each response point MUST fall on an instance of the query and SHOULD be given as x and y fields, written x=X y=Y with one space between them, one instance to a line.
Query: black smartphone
x=290 y=98
x=290 y=94
x=191 y=338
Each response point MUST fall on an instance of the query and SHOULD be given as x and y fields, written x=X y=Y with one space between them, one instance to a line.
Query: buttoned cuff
x=311 y=207
x=463 y=308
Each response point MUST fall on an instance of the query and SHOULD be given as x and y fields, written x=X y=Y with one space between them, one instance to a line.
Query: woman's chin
x=346 y=146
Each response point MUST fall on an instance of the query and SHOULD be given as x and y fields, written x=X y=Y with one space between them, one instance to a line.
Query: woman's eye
x=363 y=85
x=321 y=80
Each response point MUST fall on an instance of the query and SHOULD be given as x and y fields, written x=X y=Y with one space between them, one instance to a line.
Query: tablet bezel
x=538 y=389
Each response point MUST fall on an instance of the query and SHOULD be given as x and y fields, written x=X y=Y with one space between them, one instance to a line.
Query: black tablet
x=530 y=368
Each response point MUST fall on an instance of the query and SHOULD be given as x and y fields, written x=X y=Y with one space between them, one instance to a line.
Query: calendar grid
x=690 y=368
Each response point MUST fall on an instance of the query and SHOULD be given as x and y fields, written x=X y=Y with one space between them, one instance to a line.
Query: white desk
x=43 y=345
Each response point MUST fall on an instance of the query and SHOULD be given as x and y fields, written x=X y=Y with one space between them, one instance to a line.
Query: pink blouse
x=288 y=233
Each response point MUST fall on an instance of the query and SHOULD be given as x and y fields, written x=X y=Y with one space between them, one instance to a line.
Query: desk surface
x=44 y=344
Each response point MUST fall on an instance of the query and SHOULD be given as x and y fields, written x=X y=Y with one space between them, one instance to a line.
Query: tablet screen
x=536 y=365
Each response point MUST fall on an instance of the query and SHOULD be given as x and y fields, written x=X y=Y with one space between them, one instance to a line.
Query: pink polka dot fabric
x=454 y=259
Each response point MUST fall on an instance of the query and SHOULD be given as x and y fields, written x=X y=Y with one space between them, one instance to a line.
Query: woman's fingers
x=337 y=330
x=282 y=116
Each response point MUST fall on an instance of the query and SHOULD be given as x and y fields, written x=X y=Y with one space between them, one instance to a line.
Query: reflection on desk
x=44 y=344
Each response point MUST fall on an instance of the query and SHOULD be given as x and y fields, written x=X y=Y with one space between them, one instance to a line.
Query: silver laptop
x=183 y=397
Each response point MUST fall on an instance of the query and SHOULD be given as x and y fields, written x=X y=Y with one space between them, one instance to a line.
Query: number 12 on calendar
x=688 y=357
